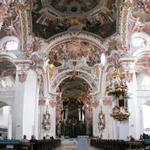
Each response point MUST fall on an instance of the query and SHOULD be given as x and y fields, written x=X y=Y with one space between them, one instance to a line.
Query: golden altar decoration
x=117 y=87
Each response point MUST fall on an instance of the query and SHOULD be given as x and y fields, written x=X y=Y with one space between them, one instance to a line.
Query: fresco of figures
x=141 y=9
x=75 y=50
x=45 y=23
x=73 y=6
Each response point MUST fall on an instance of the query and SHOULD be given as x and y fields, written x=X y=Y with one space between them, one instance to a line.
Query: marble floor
x=71 y=144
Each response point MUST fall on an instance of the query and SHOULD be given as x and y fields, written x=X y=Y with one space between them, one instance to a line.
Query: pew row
x=29 y=145
x=120 y=144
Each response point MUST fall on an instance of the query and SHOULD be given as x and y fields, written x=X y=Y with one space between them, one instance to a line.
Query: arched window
x=103 y=59
x=9 y=43
x=138 y=42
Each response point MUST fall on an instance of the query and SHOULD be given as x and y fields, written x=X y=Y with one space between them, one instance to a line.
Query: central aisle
x=71 y=144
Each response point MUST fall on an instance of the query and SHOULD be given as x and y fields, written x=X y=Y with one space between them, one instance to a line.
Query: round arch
x=81 y=74
x=67 y=36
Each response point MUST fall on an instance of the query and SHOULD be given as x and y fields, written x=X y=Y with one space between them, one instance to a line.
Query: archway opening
x=146 y=118
x=5 y=122
x=7 y=85
x=73 y=113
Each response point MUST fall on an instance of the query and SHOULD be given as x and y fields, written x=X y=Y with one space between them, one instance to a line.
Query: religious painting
x=75 y=50
x=73 y=6
x=10 y=19
x=47 y=21
x=141 y=10
x=75 y=88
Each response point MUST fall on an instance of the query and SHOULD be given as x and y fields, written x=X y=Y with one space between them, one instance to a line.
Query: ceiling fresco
x=74 y=87
x=10 y=17
x=46 y=23
x=75 y=50
x=73 y=6
x=141 y=10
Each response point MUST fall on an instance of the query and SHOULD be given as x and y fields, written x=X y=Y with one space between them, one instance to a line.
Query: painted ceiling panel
x=46 y=22
x=73 y=6
x=75 y=50
x=74 y=88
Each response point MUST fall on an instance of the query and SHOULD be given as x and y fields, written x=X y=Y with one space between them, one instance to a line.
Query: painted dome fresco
x=51 y=17
x=73 y=6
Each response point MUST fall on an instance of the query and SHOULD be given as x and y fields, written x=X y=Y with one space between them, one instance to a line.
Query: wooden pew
x=45 y=144
x=135 y=145
x=15 y=145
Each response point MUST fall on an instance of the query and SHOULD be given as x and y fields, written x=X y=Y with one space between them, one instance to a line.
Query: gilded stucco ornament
x=101 y=123
x=46 y=121
x=117 y=88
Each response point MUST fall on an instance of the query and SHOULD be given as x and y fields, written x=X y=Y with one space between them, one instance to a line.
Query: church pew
x=45 y=144
x=15 y=145
x=31 y=145
x=109 y=144
x=120 y=144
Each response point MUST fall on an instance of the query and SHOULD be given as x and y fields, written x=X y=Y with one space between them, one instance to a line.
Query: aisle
x=71 y=144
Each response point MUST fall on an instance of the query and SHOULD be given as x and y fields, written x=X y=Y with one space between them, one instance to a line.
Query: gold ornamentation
x=46 y=121
x=118 y=88
x=120 y=113
x=101 y=123
x=118 y=85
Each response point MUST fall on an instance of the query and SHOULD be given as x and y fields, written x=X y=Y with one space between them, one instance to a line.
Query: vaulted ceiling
x=52 y=17
x=74 y=87
x=72 y=6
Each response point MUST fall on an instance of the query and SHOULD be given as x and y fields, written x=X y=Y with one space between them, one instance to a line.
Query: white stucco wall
x=29 y=104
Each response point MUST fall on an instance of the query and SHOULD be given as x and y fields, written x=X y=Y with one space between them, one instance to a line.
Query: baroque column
x=17 y=107
x=134 y=121
x=25 y=101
